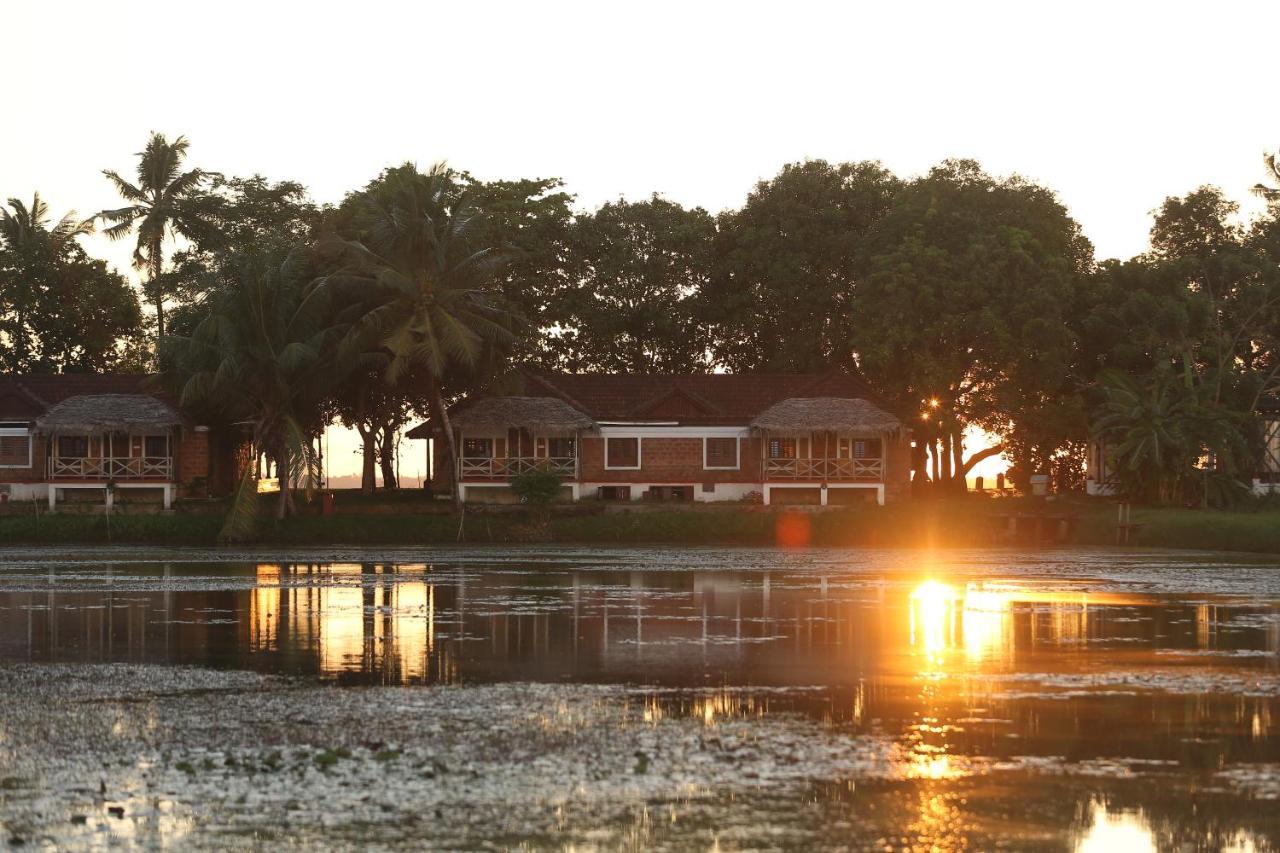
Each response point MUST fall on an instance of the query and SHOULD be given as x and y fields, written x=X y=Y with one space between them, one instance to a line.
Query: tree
x=263 y=356
x=637 y=272
x=1271 y=194
x=788 y=263
x=530 y=220
x=428 y=293
x=59 y=309
x=1167 y=442
x=963 y=313
x=235 y=216
x=162 y=204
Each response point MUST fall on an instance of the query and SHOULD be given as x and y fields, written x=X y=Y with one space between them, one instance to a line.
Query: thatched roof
x=546 y=414
x=108 y=412
x=831 y=414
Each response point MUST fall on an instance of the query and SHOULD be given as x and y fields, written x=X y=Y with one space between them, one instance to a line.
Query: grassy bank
x=939 y=524
x=959 y=524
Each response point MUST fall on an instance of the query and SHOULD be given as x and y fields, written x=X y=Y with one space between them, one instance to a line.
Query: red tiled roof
x=707 y=398
x=27 y=396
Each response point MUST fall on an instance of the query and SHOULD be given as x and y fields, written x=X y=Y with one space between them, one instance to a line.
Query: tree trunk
x=368 y=452
x=387 y=456
x=157 y=293
x=450 y=442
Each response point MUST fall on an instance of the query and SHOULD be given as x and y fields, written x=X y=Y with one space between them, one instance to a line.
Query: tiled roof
x=30 y=395
x=701 y=399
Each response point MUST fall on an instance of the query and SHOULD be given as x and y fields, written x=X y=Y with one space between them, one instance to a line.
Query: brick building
x=102 y=438
x=814 y=439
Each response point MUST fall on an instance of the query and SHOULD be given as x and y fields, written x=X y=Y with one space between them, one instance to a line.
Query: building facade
x=90 y=438
x=794 y=439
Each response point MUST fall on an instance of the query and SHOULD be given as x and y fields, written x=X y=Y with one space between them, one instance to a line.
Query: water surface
x=1063 y=698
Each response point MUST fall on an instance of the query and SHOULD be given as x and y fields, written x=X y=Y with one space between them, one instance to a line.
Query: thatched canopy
x=826 y=414
x=541 y=414
x=91 y=413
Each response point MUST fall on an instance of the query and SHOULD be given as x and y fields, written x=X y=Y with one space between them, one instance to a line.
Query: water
x=1086 y=700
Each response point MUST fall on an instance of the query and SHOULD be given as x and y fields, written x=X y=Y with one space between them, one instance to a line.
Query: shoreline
x=942 y=525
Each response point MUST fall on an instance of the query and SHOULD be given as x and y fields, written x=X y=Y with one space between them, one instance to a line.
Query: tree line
x=964 y=299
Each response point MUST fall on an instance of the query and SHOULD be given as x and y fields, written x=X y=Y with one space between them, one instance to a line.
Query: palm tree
x=161 y=205
x=1166 y=439
x=262 y=357
x=431 y=298
x=1272 y=164
x=20 y=225
x=26 y=231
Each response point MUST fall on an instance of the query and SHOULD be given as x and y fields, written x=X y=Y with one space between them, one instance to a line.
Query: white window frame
x=737 y=454
x=26 y=433
x=639 y=454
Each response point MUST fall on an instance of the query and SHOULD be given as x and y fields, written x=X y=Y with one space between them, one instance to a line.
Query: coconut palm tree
x=20 y=224
x=160 y=205
x=1166 y=440
x=1272 y=164
x=430 y=297
x=261 y=357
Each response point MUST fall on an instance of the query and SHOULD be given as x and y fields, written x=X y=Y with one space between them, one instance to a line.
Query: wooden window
x=73 y=446
x=156 y=446
x=562 y=448
x=15 y=447
x=622 y=453
x=782 y=448
x=866 y=448
x=720 y=453
x=477 y=448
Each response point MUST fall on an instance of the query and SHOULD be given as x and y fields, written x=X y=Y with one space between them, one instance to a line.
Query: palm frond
x=242 y=517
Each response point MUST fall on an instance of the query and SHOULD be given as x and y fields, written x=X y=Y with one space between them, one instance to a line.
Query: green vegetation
x=929 y=524
x=966 y=299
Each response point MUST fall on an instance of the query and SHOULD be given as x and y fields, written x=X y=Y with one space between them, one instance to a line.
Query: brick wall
x=897 y=474
x=669 y=460
x=34 y=474
x=193 y=462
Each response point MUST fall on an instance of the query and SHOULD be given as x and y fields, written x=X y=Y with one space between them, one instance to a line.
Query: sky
x=1114 y=105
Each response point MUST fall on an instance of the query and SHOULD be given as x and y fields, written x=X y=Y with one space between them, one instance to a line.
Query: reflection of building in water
x=350 y=618
x=989 y=621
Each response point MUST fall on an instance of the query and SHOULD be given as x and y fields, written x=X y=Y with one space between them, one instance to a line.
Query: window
x=562 y=448
x=156 y=446
x=782 y=448
x=866 y=448
x=477 y=448
x=622 y=453
x=15 y=446
x=73 y=446
x=720 y=453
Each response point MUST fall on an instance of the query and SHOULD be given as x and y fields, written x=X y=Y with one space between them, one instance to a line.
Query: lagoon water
x=869 y=699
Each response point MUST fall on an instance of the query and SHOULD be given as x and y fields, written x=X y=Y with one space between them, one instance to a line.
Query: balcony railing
x=858 y=470
x=111 y=468
x=502 y=468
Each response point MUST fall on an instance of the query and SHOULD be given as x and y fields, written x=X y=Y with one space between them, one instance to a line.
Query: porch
x=506 y=467
x=825 y=450
x=110 y=442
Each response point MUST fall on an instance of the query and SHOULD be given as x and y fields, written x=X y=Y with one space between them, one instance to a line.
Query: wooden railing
x=824 y=469
x=565 y=466
x=111 y=468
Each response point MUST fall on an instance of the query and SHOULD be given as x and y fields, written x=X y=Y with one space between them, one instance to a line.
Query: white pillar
x=822 y=496
x=168 y=495
x=53 y=496
x=880 y=494
x=766 y=495
x=111 y=498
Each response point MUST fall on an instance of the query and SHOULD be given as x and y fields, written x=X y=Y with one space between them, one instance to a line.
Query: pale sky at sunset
x=1114 y=105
